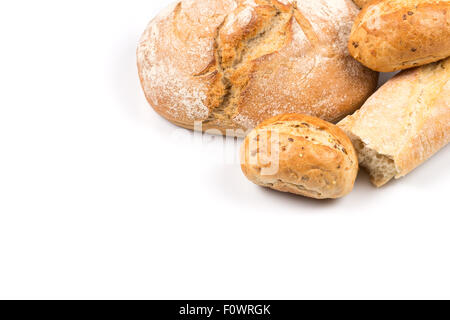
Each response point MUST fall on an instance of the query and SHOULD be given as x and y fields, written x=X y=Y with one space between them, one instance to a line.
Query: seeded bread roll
x=361 y=3
x=302 y=155
x=404 y=123
x=230 y=64
x=391 y=35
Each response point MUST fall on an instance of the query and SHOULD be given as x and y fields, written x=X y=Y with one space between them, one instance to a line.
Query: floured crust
x=302 y=155
x=230 y=64
x=407 y=121
x=394 y=35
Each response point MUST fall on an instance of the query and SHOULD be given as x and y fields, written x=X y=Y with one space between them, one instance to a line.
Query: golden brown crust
x=406 y=121
x=302 y=155
x=394 y=35
x=242 y=61
x=362 y=3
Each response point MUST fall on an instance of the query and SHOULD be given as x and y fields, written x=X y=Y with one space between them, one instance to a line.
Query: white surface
x=101 y=198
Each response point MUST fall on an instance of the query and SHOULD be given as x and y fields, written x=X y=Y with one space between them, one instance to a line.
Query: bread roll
x=394 y=35
x=404 y=123
x=301 y=155
x=230 y=64
x=362 y=3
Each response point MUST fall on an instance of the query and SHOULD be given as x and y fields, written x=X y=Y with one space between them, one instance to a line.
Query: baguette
x=301 y=155
x=404 y=123
x=394 y=35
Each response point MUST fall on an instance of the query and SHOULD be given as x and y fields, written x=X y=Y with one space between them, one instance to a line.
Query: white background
x=101 y=198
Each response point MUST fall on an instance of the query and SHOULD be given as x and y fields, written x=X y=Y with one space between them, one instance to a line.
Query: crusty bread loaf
x=393 y=35
x=362 y=3
x=230 y=64
x=404 y=123
x=302 y=155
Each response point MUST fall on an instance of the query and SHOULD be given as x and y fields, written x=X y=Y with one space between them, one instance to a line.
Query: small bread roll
x=302 y=155
x=394 y=35
x=361 y=3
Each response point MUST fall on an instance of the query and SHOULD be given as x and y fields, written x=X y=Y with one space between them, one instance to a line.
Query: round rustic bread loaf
x=230 y=64
x=302 y=155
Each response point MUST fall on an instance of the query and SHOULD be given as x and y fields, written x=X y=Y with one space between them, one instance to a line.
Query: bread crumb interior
x=380 y=167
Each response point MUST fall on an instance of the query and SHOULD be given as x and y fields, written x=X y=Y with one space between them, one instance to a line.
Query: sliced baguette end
x=380 y=167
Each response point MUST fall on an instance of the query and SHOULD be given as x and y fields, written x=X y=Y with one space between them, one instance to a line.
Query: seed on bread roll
x=394 y=35
x=230 y=64
x=362 y=3
x=302 y=155
x=404 y=123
